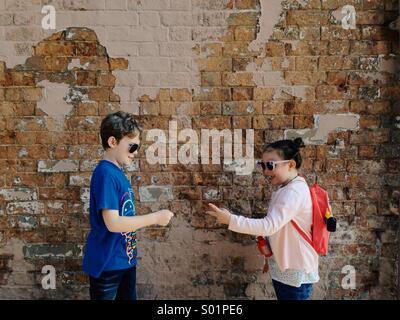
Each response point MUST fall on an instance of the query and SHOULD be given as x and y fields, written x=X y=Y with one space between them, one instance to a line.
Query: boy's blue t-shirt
x=105 y=250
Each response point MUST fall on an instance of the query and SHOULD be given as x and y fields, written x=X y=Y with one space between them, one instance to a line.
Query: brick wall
x=282 y=68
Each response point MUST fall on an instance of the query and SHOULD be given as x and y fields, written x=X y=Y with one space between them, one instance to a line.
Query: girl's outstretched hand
x=223 y=216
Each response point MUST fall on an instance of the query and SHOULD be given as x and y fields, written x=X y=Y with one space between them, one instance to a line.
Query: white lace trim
x=291 y=277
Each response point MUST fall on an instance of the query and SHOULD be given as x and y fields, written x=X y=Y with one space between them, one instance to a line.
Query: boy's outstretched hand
x=223 y=216
x=163 y=217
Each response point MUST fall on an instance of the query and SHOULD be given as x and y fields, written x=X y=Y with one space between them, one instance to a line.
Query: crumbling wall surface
x=281 y=68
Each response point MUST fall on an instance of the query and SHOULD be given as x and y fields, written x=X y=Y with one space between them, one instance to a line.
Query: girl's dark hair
x=118 y=125
x=287 y=149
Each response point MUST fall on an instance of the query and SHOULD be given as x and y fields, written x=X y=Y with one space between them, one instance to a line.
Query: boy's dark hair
x=118 y=125
x=287 y=149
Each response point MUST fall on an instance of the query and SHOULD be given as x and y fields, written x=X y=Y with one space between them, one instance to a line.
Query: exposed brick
x=216 y=122
x=210 y=79
x=237 y=49
x=118 y=64
x=200 y=63
x=246 y=4
x=241 y=108
x=263 y=93
x=367 y=151
x=302 y=122
x=181 y=95
x=241 y=122
x=304 y=77
x=237 y=79
x=377 y=136
x=262 y=122
x=242 y=19
x=207 y=108
x=185 y=193
x=243 y=33
x=337 y=62
x=300 y=17
x=215 y=64
x=240 y=94
x=217 y=94
x=173 y=108
x=61 y=49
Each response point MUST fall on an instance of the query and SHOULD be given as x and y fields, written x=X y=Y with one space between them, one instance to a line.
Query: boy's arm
x=116 y=223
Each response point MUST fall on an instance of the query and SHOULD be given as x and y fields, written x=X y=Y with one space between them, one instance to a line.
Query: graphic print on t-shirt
x=128 y=210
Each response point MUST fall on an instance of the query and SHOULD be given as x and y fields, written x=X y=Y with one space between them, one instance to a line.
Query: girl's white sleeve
x=285 y=208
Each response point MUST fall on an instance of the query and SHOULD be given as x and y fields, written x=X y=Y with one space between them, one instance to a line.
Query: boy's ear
x=112 y=142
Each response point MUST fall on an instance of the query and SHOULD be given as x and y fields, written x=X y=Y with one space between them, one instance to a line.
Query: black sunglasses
x=270 y=165
x=134 y=147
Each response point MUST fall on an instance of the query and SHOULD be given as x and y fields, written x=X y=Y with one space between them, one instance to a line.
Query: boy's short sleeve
x=105 y=192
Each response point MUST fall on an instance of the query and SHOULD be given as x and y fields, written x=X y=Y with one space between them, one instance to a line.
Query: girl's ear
x=292 y=164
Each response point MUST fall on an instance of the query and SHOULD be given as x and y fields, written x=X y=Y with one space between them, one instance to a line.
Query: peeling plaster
x=271 y=11
x=53 y=100
x=59 y=166
x=263 y=76
x=323 y=125
x=155 y=193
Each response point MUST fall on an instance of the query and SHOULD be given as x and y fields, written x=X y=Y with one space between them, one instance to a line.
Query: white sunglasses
x=270 y=165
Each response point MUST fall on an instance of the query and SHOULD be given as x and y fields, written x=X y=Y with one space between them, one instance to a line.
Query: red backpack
x=323 y=222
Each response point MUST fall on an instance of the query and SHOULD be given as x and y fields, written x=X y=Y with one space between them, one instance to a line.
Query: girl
x=294 y=263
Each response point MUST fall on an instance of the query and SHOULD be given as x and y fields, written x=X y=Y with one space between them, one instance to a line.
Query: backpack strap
x=302 y=233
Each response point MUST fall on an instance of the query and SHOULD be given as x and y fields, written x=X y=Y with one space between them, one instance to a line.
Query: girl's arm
x=284 y=209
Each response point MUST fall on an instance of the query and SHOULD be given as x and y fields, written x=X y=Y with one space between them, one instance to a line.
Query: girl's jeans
x=114 y=285
x=286 y=292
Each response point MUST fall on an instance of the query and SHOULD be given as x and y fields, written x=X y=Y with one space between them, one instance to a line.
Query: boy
x=110 y=254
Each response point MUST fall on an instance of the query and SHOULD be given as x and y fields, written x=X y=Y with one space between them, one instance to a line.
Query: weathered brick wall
x=282 y=68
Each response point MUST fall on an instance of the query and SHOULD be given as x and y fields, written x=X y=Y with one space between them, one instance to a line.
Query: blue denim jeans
x=114 y=285
x=286 y=292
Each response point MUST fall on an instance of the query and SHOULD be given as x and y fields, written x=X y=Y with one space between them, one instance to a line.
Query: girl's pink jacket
x=290 y=250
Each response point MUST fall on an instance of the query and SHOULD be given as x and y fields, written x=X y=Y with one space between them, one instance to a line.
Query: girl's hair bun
x=299 y=143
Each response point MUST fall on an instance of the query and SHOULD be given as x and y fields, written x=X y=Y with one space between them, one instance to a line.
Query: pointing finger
x=213 y=207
